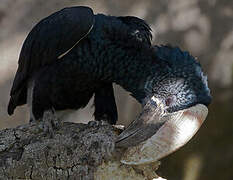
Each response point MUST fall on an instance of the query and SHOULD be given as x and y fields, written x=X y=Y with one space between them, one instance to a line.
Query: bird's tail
x=17 y=99
x=11 y=106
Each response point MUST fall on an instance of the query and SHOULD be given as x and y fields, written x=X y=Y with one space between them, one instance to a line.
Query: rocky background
x=203 y=27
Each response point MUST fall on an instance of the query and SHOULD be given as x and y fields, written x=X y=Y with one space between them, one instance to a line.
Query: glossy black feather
x=138 y=27
x=49 y=39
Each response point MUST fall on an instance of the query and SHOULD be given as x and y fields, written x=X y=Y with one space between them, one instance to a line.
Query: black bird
x=73 y=54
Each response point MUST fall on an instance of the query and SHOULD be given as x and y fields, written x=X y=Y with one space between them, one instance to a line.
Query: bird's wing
x=50 y=39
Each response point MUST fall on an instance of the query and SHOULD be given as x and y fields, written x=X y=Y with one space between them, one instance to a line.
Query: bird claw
x=119 y=126
x=97 y=123
x=50 y=123
x=48 y=127
x=108 y=149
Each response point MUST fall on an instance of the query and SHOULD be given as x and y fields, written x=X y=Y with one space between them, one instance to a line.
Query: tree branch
x=76 y=151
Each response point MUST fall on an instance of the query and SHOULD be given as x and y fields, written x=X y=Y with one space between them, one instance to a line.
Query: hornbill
x=74 y=54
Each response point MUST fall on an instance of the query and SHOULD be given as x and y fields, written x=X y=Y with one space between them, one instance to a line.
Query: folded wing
x=51 y=38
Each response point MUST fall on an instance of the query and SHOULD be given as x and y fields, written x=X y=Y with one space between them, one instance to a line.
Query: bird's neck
x=132 y=69
x=121 y=58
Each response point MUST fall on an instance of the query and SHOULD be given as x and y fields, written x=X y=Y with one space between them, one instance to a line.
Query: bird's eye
x=170 y=100
x=138 y=35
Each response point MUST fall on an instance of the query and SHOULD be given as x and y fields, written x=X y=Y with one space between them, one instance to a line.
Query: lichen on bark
x=76 y=151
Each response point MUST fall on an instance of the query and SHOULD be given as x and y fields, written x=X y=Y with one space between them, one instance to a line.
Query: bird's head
x=177 y=94
x=180 y=83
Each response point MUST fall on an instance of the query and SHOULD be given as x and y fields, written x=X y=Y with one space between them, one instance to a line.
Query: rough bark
x=76 y=151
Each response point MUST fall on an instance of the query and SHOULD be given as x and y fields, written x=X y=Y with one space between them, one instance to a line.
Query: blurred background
x=203 y=27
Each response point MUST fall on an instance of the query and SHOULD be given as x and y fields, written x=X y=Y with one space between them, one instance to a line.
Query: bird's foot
x=107 y=147
x=97 y=123
x=119 y=126
x=50 y=123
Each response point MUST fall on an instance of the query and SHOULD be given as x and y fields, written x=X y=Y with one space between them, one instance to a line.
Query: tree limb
x=76 y=151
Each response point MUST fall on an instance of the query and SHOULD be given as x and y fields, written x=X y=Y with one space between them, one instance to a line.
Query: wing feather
x=49 y=39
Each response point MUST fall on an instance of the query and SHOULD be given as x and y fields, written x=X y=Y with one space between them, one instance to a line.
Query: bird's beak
x=155 y=134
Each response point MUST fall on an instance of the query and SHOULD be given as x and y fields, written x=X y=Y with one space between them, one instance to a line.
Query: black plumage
x=48 y=40
x=116 y=50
